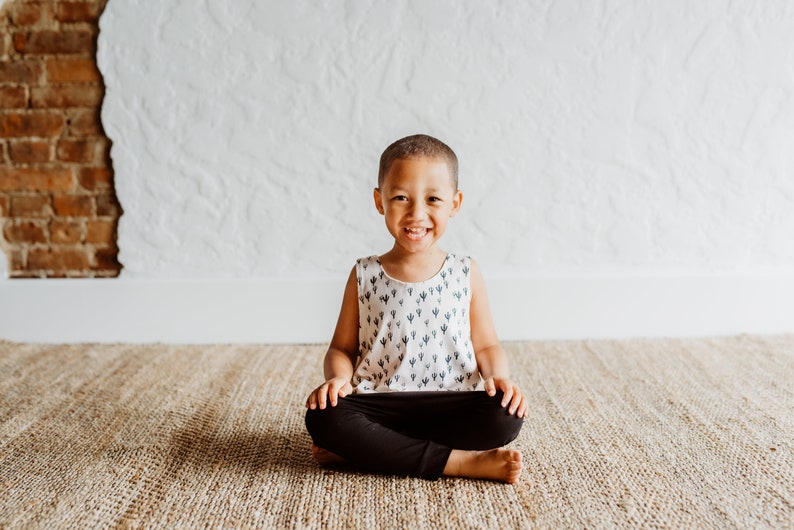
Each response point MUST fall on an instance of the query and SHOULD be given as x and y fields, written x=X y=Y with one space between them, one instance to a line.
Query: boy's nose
x=417 y=211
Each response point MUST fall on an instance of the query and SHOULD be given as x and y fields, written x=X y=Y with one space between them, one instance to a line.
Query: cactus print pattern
x=415 y=336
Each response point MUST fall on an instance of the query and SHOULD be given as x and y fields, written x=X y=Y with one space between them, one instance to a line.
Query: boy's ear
x=378 y=200
x=457 y=200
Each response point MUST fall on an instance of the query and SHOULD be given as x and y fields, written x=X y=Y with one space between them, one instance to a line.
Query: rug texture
x=621 y=434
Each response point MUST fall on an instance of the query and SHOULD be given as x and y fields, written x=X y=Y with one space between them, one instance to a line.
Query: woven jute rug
x=621 y=434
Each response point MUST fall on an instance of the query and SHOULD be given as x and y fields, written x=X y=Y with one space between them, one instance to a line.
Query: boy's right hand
x=329 y=392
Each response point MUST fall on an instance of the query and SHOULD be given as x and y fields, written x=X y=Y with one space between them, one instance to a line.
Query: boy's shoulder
x=460 y=260
x=463 y=258
x=368 y=260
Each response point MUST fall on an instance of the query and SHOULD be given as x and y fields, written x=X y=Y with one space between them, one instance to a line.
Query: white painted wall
x=594 y=136
x=627 y=165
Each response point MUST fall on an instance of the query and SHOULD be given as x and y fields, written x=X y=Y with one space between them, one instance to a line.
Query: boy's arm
x=342 y=352
x=491 y=358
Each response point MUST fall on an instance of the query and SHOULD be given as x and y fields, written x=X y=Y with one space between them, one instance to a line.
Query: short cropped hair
x=418 y=146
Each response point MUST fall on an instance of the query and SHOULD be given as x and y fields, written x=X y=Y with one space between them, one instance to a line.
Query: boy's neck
x=413 y=267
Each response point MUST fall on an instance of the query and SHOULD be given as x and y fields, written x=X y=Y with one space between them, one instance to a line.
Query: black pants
x=411 y=433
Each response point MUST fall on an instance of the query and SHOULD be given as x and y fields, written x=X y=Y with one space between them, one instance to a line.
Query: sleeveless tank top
x=415 y=336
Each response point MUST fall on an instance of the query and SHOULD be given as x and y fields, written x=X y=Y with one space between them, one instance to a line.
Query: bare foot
x=324 y=457
x=496 y=464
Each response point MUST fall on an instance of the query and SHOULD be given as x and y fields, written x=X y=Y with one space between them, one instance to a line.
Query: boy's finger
x=508 y=395
x=334 y=392
x=522 y=407
x=515 y=405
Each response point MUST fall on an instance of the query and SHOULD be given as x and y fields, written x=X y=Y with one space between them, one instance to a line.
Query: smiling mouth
x=415 y=233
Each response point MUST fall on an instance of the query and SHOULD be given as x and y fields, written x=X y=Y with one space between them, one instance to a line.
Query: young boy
x=415 y=344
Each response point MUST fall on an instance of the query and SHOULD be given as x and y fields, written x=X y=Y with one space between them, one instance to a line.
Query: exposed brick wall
x=58 y=208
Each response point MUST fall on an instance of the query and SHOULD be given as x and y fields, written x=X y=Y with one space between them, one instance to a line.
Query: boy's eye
x=400 y=198
x=434 y=199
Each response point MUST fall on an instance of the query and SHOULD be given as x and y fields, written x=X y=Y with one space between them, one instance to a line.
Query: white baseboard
x=297 y=311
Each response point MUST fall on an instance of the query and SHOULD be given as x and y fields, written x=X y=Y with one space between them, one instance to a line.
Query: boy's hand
x=329 y=392
x=513 y=397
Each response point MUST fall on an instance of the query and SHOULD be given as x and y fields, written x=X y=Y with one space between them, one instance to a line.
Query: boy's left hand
x=512 y=398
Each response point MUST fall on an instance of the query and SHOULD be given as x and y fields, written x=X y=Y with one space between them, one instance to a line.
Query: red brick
x=85 y=151
x=101 y=232
x=94 y=178
x=30 y=124
x=29 y=152
x=58 y=258
x=107 y=205
x=107 y=260
x=78 y=11
x=25 y=232
x=73 y=205
x=68 y=70
x=55 y=42
x=28 y=71
x=64 y=96
x=30 y=13
x=13 y=97
x=84 y=122
x=64 y=231
x=31 y=206
x=17 y=260
x=6 y=46
x=37 y=179
x=47 y=50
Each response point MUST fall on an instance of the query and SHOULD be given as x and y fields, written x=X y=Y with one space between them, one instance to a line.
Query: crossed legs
x=419 y=434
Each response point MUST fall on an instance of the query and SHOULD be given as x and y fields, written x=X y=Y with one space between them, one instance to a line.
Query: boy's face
x=417 y=199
